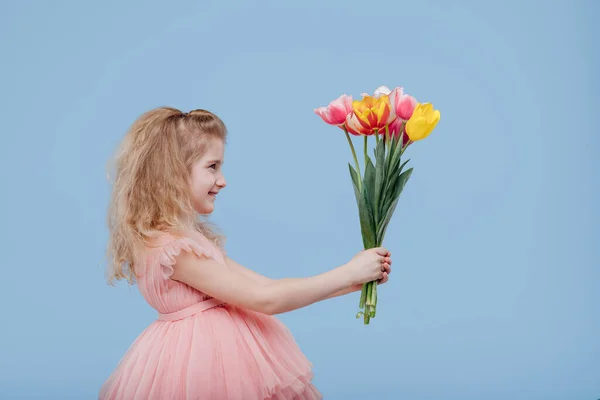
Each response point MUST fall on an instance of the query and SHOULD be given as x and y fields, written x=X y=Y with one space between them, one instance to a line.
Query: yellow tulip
x=422 y=122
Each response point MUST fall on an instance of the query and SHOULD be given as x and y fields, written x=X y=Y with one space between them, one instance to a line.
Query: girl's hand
x=384 y=279
x=369 y=265
x=386 y=275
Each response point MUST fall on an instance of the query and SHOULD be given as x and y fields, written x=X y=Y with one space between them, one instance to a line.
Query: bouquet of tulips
x=396 y=120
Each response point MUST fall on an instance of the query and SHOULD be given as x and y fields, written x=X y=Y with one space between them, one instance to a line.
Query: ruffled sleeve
x=173 y=249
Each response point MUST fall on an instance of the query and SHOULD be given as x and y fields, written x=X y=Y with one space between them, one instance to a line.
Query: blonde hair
x=151 y=183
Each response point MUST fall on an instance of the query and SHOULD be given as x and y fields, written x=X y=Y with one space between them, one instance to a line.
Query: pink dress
x=202 y=348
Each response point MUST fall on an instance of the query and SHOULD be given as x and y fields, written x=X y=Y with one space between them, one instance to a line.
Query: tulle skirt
x=224 y=353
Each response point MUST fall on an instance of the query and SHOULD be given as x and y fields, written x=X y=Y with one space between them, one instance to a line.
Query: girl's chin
x=205 y=209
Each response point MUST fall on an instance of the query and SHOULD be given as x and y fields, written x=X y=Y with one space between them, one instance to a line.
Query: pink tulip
x=337 y=111
x=403 y=104
x=394 y=129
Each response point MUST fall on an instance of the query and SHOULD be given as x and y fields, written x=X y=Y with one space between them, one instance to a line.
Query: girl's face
x=207 y=177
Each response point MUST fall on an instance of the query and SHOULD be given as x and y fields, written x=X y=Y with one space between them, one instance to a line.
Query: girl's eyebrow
x=215 y=162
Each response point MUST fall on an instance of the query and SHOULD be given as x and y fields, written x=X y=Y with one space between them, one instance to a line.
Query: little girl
x=216 y=337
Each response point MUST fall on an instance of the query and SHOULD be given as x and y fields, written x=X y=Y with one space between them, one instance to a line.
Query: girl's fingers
x=384 y=279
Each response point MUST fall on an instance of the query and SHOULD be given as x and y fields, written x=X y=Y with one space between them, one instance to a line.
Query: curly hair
x=151 y=190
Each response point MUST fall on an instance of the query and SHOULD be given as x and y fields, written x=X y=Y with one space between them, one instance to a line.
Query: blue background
x=494 y=292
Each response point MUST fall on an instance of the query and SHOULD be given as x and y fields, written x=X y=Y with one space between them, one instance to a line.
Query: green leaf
x=369 y=180
x=388 y=190
x=365 y=213
x=367 y=224
x=394 y=191
x=401 y=182
x=379 y=180
x=393 y=144
x=382 y=228
x=403 y=179
x=395 y=165
x=403 y=164
x=396 y=156
x=388 y=161
x=354 y=177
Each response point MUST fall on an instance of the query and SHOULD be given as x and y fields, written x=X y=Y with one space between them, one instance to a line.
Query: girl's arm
x=266 y=280
x=240 y=269
x=345 y=291
x=267 y=296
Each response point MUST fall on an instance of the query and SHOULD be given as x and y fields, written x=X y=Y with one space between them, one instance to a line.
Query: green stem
x=404 y=148
x=385 y=141
x=366 y=155
x=363 y=296
x=388 y=141
x=355 y=160
x=374 y=293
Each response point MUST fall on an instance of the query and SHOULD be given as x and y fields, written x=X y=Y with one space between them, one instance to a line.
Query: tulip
x=396 y=128
x=422 y=121
x=337 y=111
x=373 y=113
x=354 y=127
x=403 y=104
x=380 y=91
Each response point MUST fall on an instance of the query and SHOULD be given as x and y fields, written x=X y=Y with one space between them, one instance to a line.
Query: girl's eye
x=213 y=166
